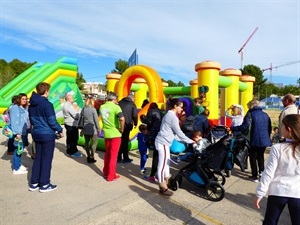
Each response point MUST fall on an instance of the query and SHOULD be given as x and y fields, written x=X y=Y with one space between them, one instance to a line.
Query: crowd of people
x=279 y=178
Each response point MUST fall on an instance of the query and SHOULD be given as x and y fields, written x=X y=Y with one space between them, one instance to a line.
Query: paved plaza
x=84 y=197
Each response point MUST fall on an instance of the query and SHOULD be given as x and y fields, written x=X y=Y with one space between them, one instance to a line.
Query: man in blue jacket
x=44 y=128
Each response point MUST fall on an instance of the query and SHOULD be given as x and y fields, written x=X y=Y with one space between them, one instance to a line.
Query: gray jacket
x=170 y=129
x=91 y=122
x=71 y=115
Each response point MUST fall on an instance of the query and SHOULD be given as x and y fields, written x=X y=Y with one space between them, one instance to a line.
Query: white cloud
x=171 y=36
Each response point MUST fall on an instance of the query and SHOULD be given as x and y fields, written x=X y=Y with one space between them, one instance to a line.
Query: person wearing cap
x=71 y=116
x=130 y=114
x=113 y=126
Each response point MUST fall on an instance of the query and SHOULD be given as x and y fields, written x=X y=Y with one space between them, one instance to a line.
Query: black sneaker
x=127 y=160
x=47 y=188
x=254 y=179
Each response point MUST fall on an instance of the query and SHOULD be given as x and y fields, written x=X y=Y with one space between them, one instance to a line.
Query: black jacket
x=129 y=111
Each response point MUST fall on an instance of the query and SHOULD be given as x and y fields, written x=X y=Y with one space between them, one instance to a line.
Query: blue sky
x=170 y=36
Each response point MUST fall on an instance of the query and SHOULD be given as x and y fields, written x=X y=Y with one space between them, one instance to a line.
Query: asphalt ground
x=84 y=197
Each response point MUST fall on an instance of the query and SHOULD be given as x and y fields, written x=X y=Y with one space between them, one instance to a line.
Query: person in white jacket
x=281 y=177
x=236 y=114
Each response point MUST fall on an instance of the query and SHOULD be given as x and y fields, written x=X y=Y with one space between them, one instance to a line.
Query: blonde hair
x=89 y=102
x=236 y=111
x=252 y=103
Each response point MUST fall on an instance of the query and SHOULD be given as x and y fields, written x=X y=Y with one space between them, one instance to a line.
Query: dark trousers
x=276 y=204
x=41 y=168
x=10 y=145
x=123 y=151
x=256 y=156
x=154 y=163
x=71 y=139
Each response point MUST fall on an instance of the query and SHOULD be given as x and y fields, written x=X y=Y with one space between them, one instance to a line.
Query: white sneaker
x=19 y=171
x=23 y=168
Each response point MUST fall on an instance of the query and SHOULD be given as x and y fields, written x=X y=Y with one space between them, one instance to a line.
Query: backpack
x=5 y=116
x=188 y=124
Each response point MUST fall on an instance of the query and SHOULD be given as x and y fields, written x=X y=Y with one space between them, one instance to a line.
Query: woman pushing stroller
x=169 y=128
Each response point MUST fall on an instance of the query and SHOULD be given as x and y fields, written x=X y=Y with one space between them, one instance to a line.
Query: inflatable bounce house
x=61 y=75
x=221 y=89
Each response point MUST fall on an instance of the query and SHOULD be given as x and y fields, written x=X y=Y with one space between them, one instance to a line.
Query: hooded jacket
x=42 y=118
x=129 y=111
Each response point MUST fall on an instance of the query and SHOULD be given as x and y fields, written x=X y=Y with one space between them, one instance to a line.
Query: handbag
x=80 y=124
x=7 y=131
x=19 y=144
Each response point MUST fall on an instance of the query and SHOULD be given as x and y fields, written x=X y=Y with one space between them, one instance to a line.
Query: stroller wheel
x=174 y=184
x=214 y=191
x=219 y=177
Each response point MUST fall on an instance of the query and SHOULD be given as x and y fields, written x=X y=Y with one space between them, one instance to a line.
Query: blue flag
x=133 y=60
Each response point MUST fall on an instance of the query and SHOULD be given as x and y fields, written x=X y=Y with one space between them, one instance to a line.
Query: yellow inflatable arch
x=155 y=87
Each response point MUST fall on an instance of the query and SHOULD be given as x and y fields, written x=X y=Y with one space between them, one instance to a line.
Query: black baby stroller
x=216 y=133
x=204 y=170
x=238 y=144
x=240 y=150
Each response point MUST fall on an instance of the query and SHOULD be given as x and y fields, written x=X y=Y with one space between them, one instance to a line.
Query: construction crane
x=243 y=46
x=275 y=67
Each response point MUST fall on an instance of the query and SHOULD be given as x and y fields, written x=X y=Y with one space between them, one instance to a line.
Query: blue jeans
x=16 y=162
x=143 y=155
x=16 y=159
x=276 y=204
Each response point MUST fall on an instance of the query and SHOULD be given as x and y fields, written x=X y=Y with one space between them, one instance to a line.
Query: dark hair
x=175 y=102
x=42 y=87
x=153 y=105
x=22 y=94
x=292 y=121
x=17 y=100
x=14 y=99
x=275 y=128
x=206 y=112
x=198 y=100
x=196 y=133
x=142 y=127
x=145 y=102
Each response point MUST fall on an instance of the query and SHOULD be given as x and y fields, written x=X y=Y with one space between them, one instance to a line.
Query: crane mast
x=275 y=67
x=243 y=46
